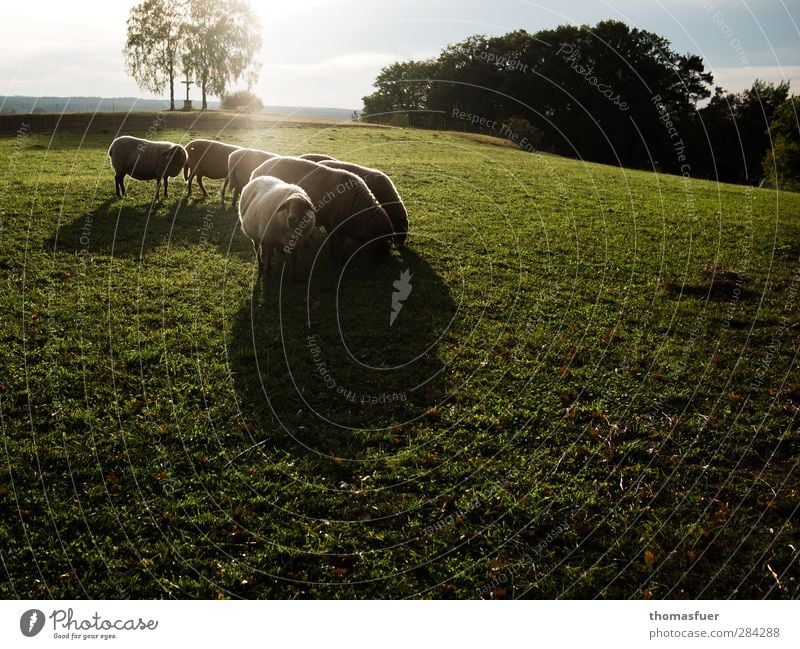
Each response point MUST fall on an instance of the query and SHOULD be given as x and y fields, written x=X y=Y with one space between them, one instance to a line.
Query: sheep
x=316 y=157
x=275 y=214
x=343 y=203
x=145 y=160
x=384 y=190
x=241 y=164
x=207 y=158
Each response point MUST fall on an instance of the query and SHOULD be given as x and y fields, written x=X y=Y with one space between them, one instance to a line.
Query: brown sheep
x=241 y=164
x=384 y=190
x=207 y=158
x=316 y=157
x=145 y=160
x=343 y=203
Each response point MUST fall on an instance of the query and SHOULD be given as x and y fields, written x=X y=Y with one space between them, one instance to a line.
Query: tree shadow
x=324 y=371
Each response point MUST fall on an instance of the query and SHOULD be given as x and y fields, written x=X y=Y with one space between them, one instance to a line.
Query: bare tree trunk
x=203 y=85
x=171 y=89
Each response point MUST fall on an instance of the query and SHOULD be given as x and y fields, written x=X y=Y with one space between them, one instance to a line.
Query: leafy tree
x=735 y=128
x=242 y=100
x=782 y=162
x=154 y=45
x=585 y=91
x=223 y=37
x=401 y=88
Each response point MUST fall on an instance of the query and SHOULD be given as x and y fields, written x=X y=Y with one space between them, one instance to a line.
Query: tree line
x=609 y=93
x=208 y=42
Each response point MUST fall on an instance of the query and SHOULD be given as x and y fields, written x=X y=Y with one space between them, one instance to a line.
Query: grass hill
x=591 y=390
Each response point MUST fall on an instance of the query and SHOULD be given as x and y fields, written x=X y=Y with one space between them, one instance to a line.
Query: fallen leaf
x=501 y=424
x=649 y=557
x=112 y=478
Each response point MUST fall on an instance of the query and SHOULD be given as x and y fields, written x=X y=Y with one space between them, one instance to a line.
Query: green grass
x=578 y=404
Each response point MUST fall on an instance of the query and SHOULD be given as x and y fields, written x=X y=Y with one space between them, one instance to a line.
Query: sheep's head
x=174 y=160
x=300 y=218
x=378 y=233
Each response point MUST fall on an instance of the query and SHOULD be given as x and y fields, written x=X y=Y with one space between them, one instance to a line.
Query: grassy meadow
x=591 y=391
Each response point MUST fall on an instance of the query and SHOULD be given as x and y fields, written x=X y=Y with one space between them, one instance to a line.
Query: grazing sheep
x=207 y=158
x=343 y=203
x=241 y=164
x=316 y=157
x=275 y=214
x=384 y=190
x=145 y=160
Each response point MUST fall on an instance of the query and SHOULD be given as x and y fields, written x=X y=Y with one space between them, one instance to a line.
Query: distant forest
x=27 y=105
x=608 y=93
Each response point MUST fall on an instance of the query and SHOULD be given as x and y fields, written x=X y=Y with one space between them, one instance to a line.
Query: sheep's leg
x=166 y=180
x=158 y=188
x=119 y=188
x=200 y=185
x=293 y=256
x=224 y=185
x=189 y=184
x=257 y=250
x=268 y=254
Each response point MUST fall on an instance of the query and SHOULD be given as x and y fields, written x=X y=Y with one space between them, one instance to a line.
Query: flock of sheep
x=281 y=198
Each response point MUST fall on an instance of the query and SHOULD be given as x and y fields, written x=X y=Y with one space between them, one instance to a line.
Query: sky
x=328 y=52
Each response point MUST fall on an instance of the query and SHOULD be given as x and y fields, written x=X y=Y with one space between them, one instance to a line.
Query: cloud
x=337 y=64
x=741 y=78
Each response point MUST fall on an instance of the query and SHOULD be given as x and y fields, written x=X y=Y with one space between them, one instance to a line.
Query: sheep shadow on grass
x=329 y=367
x=133 y=226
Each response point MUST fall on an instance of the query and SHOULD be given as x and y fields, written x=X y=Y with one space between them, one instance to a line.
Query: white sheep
x=275 y=214
x=384 y=190
x=145 y=160
x=207 y=158
x=343 y=203
x=316 y=157
x=241 y=164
